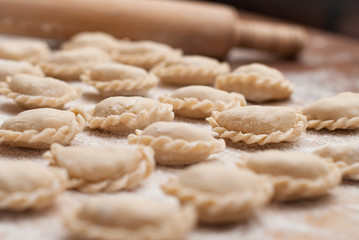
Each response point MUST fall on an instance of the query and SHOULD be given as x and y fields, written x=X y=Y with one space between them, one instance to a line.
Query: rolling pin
x=196 y=27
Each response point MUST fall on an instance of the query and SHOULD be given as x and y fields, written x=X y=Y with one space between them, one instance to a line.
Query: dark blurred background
x=340 y=16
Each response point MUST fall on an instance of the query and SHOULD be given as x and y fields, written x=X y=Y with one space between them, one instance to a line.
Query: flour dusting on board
x=278 y=221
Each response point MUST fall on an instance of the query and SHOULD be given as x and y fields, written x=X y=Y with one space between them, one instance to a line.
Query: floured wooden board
x=328 y=66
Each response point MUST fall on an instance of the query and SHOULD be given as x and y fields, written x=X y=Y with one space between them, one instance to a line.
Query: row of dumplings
x=112 y=79
x=39 y=128
x=207 y=193
x=103 y=61
x=151 y=123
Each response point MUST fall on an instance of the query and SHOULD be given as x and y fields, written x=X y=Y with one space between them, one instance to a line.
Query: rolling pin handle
x=286 y=40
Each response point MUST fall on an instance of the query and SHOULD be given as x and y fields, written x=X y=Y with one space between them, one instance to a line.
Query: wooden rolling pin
x=196 y=27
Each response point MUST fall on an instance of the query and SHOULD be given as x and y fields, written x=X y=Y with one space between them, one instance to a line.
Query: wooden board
x=329 y=65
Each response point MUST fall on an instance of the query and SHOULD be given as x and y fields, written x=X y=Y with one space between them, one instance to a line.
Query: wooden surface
x=329 y=65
